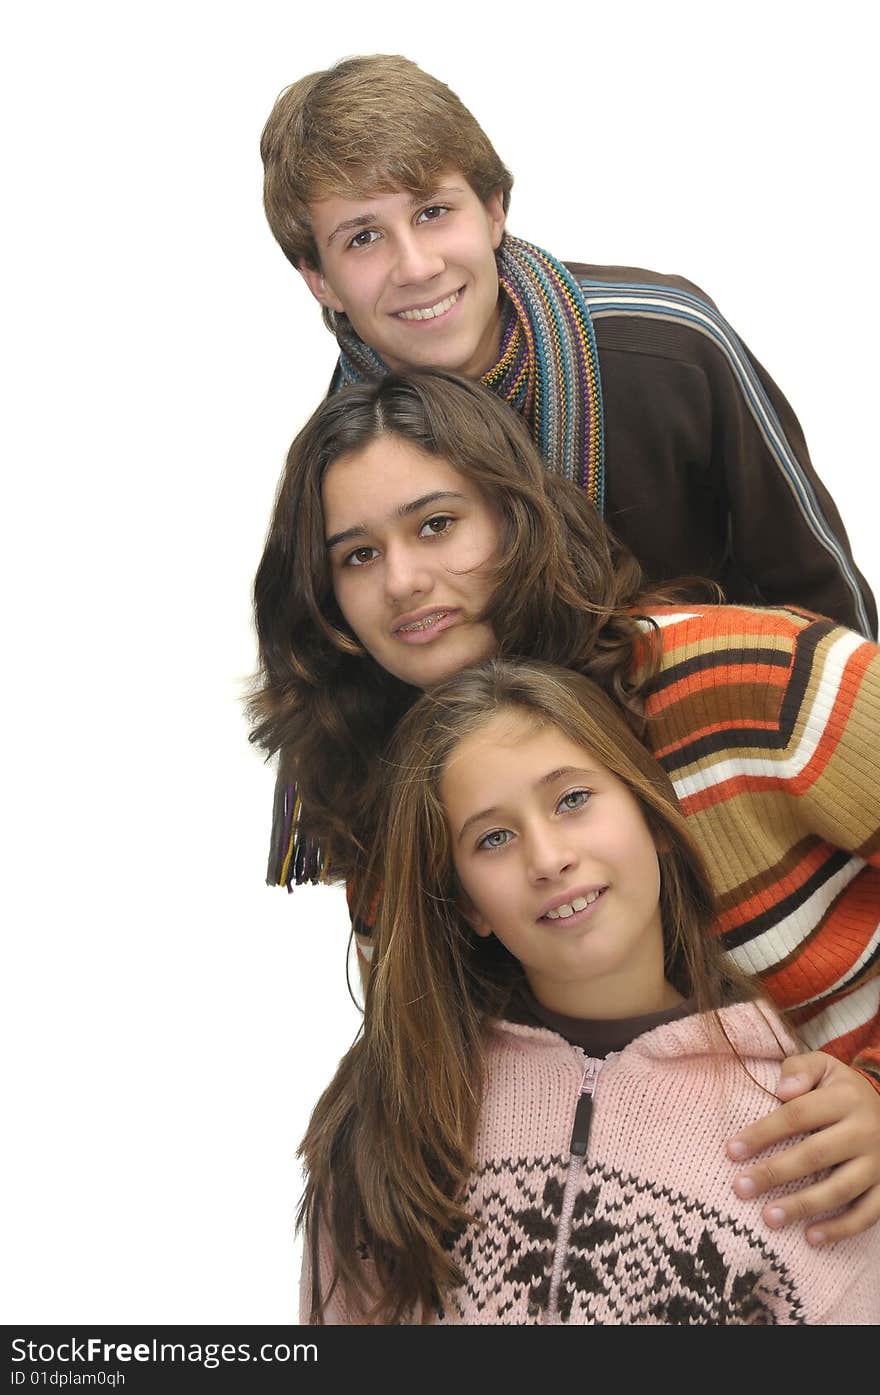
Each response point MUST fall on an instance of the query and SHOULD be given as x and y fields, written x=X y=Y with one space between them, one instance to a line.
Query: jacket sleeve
x=691 y=413
x=784 y=530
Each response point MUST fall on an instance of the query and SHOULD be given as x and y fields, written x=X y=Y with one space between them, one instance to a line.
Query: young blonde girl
x=530 y=1129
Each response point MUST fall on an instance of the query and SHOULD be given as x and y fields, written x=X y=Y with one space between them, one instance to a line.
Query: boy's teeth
x=579 y=903
x=432 y=311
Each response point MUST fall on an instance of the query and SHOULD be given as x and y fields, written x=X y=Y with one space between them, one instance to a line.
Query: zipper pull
x=583 y=1115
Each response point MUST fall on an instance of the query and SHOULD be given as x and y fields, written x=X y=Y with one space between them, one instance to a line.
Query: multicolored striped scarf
x=548 y=369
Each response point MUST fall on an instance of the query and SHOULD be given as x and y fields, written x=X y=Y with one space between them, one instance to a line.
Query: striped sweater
x=601 y=1192
x=768 y=724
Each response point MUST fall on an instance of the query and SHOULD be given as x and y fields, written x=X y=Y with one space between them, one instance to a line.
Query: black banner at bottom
x=106 y=1357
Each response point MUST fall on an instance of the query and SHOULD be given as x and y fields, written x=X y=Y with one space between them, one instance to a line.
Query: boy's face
x=416 y=275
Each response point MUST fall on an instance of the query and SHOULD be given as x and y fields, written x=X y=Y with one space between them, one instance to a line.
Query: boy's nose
x=415 y=261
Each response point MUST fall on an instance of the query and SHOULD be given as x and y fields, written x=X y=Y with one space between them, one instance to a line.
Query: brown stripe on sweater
x=714 y=707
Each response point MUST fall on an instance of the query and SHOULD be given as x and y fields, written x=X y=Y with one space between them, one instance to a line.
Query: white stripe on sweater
x=798 y=757
x=851 y=1012
x=782 y=938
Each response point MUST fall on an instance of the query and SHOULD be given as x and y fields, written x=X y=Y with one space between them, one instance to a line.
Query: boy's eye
x=496 y=839
x=436 y=527
x=360 y=557
x=364 y=238
x=433 y=211
x=575 y=799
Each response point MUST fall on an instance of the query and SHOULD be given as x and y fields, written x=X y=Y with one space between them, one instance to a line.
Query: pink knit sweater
x=602 y=1191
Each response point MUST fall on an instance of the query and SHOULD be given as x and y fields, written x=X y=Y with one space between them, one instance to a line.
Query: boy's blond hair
x=367 y=125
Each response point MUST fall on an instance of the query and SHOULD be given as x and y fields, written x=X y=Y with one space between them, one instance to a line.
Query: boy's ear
x=316 y=283
x=497 y=217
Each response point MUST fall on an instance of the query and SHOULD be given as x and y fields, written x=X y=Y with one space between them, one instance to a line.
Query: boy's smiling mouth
x=431 y=312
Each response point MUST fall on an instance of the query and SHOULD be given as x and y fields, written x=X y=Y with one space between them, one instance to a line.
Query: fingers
x=801 y=1073
x=816 y=1110
x=856 y=1218
x=842 y=1186
x=810 y=1155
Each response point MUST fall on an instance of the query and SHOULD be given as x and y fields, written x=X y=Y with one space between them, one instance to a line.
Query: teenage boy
x=388 y=198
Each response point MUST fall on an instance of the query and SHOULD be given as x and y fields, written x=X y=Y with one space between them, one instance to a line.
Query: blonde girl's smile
x=573 y=909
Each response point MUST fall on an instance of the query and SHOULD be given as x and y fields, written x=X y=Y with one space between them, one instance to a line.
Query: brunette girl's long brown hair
x=566 y=592
x=389 y=1147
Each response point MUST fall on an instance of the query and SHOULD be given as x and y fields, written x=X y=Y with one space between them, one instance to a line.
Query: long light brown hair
x=389 y=1147
x=565 y=591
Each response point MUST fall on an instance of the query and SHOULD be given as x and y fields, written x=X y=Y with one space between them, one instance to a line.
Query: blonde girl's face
x=555 y=858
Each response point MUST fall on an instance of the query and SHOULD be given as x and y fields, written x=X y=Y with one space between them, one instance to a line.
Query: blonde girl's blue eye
x=498 y=838
x=573 y=800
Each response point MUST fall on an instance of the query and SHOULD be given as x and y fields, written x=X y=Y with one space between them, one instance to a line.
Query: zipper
x=580 y=1138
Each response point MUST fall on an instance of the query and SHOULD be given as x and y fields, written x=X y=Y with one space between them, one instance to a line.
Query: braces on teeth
x=424 y=624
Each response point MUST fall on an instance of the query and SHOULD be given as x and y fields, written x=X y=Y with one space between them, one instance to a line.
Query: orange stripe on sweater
x=826 y=956
x=733 y=675
x=729 y=789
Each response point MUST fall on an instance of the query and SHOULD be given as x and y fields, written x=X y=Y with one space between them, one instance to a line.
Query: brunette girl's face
x=411 y=544
x=555 y=858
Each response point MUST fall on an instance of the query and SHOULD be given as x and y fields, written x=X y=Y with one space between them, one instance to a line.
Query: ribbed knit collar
x=752 y=1028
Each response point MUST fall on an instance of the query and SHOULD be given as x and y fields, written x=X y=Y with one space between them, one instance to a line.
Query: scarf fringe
x=294 y=858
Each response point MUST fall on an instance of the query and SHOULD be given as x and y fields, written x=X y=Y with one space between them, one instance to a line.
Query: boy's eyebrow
x=562 y=773
x=357 y=530
x=363 y=220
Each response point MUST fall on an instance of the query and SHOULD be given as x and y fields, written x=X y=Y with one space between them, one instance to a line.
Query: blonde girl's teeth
x=579 y=903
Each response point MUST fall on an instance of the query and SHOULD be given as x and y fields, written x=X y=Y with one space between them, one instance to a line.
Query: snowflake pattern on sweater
x=636 y=1253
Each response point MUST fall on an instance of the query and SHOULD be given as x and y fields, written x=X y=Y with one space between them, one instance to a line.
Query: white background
x=170 y=1020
